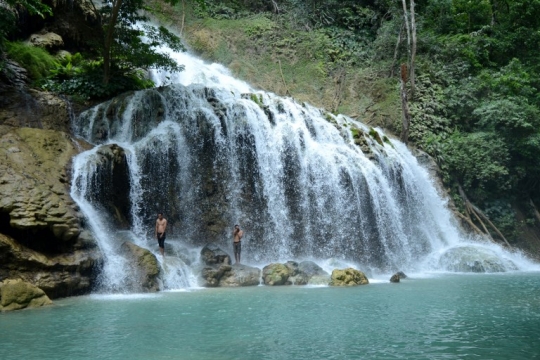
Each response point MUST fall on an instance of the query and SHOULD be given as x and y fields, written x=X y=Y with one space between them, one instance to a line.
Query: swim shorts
x=237 y=247
x=161 y=240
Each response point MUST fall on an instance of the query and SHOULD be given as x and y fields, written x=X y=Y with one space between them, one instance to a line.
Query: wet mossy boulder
x=348 y=277
x=276 y=274
x=395 y=278
x=17 y=294
x=144 y=266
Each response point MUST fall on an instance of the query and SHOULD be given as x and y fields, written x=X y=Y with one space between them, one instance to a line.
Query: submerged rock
x=348 y=277
x=145 y=267
x=18 y=294
x=474 y=259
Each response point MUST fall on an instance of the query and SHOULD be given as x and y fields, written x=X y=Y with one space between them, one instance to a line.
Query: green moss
x=257 y=99
x=356 y=133
x=375 y=135
x=36 y=61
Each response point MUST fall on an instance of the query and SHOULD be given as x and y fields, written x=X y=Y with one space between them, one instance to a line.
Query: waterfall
x=209 y=152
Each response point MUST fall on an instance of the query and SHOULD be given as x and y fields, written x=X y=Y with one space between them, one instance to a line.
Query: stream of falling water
x=210 y=151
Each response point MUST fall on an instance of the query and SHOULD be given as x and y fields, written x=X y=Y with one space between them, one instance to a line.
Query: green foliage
x=35 y=60
x=479 y=161
x=84 y=80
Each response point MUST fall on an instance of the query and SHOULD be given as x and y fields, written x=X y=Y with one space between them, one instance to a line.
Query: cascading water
x=209 y=151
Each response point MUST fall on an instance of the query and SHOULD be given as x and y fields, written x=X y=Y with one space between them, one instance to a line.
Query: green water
x=441 y=317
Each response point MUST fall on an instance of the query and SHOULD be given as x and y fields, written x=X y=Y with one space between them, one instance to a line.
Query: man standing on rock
x=237 y=244
x=161 y=226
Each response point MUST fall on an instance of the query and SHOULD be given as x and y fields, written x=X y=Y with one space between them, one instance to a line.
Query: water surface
x=436 y=317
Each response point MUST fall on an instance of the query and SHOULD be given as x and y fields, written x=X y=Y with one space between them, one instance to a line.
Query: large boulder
x=395 y=278
x=296 y=276
x=276 y=274
x=474 y=259
x=211 y=276
x=47 y=40
x=144 y=267
x=241 y=275
x=212 y=255
x=17 y=294
x=311 y=269
x=348 y=277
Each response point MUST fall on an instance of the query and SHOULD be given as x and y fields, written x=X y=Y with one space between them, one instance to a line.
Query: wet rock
x=212 y=254
x=144 y=266
x=395 y=278
x=401 y=275
x=311 y=269
x=474 y=259
x=211 y=276
x=296 y=276
x=60 y=275
x=276 y=274
x=113 y=184
x=18 y=294
x=348 y=277
x=241 y=275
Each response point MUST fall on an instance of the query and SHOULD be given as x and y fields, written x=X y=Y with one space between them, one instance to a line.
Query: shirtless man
x=161 y=226
x=237 y=245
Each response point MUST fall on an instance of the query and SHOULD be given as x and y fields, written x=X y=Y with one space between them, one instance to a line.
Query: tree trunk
x=404 y=105
x=109 y=37
x=396 y=50
x=406 y=17
x=413 y=48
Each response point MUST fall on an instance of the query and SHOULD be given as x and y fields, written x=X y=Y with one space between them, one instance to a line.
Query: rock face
x=348 y=277
x=112 y=184
x=32 y=108
x=219 y=273
x=18 y=294
x=42 y=239
x=145 y=268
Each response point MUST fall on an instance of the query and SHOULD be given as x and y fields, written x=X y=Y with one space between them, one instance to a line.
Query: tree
x=129 y=43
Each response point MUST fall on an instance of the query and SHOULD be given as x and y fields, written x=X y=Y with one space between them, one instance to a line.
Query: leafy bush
x=479 y=161
x=37 y=61
x=86 y=81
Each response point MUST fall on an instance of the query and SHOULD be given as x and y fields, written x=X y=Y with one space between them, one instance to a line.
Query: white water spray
x=210 y=151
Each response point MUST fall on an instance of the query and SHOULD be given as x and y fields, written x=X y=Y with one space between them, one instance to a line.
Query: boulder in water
x=144 y=265
x=311 y=269
x=474 y=259
x=211 y=276
x=401 y=275
x=212 y=254
x=348 y=277
x=276 y=274
x=18 y=294
x=395 y=278
x=241 y=275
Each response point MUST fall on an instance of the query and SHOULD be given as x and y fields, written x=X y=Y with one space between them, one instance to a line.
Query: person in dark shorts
x=161 y=227
x=237 y=243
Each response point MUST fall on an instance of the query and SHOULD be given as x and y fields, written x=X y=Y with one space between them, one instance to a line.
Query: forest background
x=469 y=80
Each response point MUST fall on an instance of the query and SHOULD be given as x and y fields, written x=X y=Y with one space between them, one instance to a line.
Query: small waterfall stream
x=209 y=151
